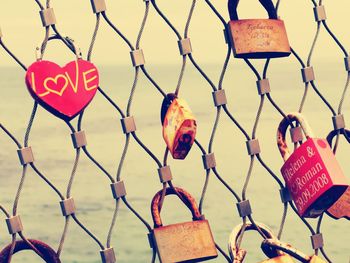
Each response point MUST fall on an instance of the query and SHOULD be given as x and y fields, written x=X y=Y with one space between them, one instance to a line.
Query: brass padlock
x=183 y=242
x=257 y=38
x=269 y=245
x=238 y=254
x=179 y=126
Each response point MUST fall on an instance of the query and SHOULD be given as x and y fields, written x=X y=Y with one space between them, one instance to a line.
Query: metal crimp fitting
x=118 y=189
x=98 y=6
x=48 y=17
x=338 y=122
x=128 y=124
x=137 y=57
x=67 y=206
x=165 y=174
x=320 y=13
x=296 y=134
x=150 y=240
x=308 y=74
x=244 y=208
x=25 y=155
x=263 y=86
x=14 y=224
x=285 y=195
x=346 y=61
x=317 y=241
x=253 y=147
x=219 y=97
x=108 y=255
x=185 y=46
x=226 y=36
x=209 y=161
x=79 y=139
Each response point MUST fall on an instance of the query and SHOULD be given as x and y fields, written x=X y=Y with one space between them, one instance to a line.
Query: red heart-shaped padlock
x=65 y=92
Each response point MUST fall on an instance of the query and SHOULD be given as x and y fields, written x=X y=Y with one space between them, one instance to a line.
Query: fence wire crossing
x=255 y=155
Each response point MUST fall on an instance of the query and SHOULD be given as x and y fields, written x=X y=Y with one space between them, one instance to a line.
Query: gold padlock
x=257 y=38
x=269 y=245
x=238 y=254
x=183 y=242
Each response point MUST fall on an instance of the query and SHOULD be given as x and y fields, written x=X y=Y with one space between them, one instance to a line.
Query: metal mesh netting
x=60 y=172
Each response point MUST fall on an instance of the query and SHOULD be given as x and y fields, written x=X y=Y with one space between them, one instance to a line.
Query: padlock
x=238 y=254
x=179 y=126
x=269 y=245
x=183 y=242
x=341 y=208
x=312 y=174
x=257 y=38
x=48 y=253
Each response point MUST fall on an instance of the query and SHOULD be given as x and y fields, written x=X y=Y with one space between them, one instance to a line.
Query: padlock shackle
x=49 y=255
x=334 y=133
x=267 y=4
x=168 y=99
x=282 y=130
x=274 y=244
x=235 y=252
x=66 y=40
x=189 y=201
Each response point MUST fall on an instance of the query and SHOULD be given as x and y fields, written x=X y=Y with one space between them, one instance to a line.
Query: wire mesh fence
x=135 y=155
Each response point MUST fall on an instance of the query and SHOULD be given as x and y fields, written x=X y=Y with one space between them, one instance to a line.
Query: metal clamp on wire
x=14 y=224
x=79 y=139
x=48 y=17
x=338 y=122
x=219 y=97
x=263 y=86
x=165 y=174
x=244 y=208
x=253 y=147
x=346 y=60
x=317 y=241
x=285 y=195
x=98 y=6
x=128 y=124
x=185 y=46
x=226 y=37
x=67 y=207
x=118 y=189
x=296 y=134
x=308 y=74
x=108 y=255
x=209 y=161
x=25 y=155
x=137 y=57
x=320 y=13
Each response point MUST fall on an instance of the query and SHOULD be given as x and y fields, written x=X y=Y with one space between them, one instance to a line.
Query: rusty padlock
x=183 y=242
x=312 y=174
x=257 y=38
x=238 y=254
x=179 y=126
x=270 y=245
